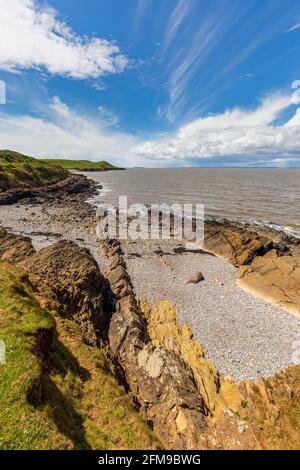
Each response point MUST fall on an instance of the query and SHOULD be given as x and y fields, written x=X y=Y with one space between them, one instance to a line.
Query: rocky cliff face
x=261 y=414
x=71 y=185
x=67 y=280
x=14 y=248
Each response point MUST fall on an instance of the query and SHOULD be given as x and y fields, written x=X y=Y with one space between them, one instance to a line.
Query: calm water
x=267 y=196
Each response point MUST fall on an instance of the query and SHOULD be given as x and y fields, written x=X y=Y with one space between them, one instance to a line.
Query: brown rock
x=274 y=278
x=195 y=278
x=237 y=245
x=14 y=248
x=68 y=276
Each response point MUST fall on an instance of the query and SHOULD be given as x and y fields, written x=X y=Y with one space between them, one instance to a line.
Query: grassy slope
x=71 y=403
x=83 y=165
x=20 y=171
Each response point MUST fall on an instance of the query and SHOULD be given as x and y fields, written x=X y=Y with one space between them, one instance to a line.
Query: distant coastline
x=82 y=165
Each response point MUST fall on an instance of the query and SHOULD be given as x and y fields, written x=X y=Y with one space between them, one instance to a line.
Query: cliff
x=23 y=177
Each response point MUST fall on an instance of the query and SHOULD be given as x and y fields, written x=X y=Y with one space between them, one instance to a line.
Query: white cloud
x=238 y=136
x=34 y=37
x=65 y=134
x=177 y=17
x=237 y=132
x=294 y=27
x=107 y=116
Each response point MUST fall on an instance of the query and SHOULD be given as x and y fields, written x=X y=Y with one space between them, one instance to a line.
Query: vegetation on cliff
x=56 y=391
x=20 y=171
x=82 y=165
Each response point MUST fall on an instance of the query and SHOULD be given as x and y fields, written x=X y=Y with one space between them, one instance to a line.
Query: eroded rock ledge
x=161 y=383
x=268 y=269
x=72 y=184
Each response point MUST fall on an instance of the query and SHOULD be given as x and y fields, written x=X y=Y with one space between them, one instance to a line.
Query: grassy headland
x=82 y=165
x=20 y=171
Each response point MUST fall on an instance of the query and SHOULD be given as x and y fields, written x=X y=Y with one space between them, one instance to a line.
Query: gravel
x=46 y=224
x=244 y=336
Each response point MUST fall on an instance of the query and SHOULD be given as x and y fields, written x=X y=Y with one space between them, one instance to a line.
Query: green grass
x=82 y=165
x=20 y=171
x=64 y=397
x=21 y=425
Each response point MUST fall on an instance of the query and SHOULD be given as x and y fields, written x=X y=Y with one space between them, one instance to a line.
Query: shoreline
x=219 y=302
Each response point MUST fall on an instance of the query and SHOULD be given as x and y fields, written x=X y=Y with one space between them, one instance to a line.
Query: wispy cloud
x=294 y=27
x=182 y=9
x=209 y=47
x=36 y=38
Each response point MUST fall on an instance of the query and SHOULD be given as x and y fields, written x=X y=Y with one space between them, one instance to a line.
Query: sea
x=269 y=197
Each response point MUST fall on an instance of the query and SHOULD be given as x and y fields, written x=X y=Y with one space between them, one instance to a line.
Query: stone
x=195 y=278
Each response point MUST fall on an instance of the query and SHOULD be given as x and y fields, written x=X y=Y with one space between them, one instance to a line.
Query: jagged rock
x=261 y=414
x=237 y=245
x=14 y=248
x=69 y=281
x=72 y=184
x=195 y=278
x=274 y=278
x=159 y=379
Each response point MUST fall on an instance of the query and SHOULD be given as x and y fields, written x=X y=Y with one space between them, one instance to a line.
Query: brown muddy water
x=265 y=196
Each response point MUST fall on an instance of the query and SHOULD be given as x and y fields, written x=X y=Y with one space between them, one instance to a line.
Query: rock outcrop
x=166 y=372
x=273 y=278
x=260 y=414
x=195 y=278
x=14 y=248
x=161 y=383
x=70 y=282
x=237 y=245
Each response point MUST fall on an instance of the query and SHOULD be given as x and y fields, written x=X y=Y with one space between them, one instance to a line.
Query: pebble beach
x=244 y=336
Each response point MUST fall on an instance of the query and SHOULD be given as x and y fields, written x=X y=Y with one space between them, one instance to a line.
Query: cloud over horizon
x=189 y=100
x=236 y=132
x=242 y=137
x=65 y=133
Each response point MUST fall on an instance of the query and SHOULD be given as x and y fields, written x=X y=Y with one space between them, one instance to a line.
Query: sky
x=154 y=83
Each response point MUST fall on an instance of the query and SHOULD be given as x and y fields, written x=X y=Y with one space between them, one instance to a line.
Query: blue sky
x=152 y=82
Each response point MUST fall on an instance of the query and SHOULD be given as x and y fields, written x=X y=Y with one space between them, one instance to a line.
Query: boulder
x=195 y=278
